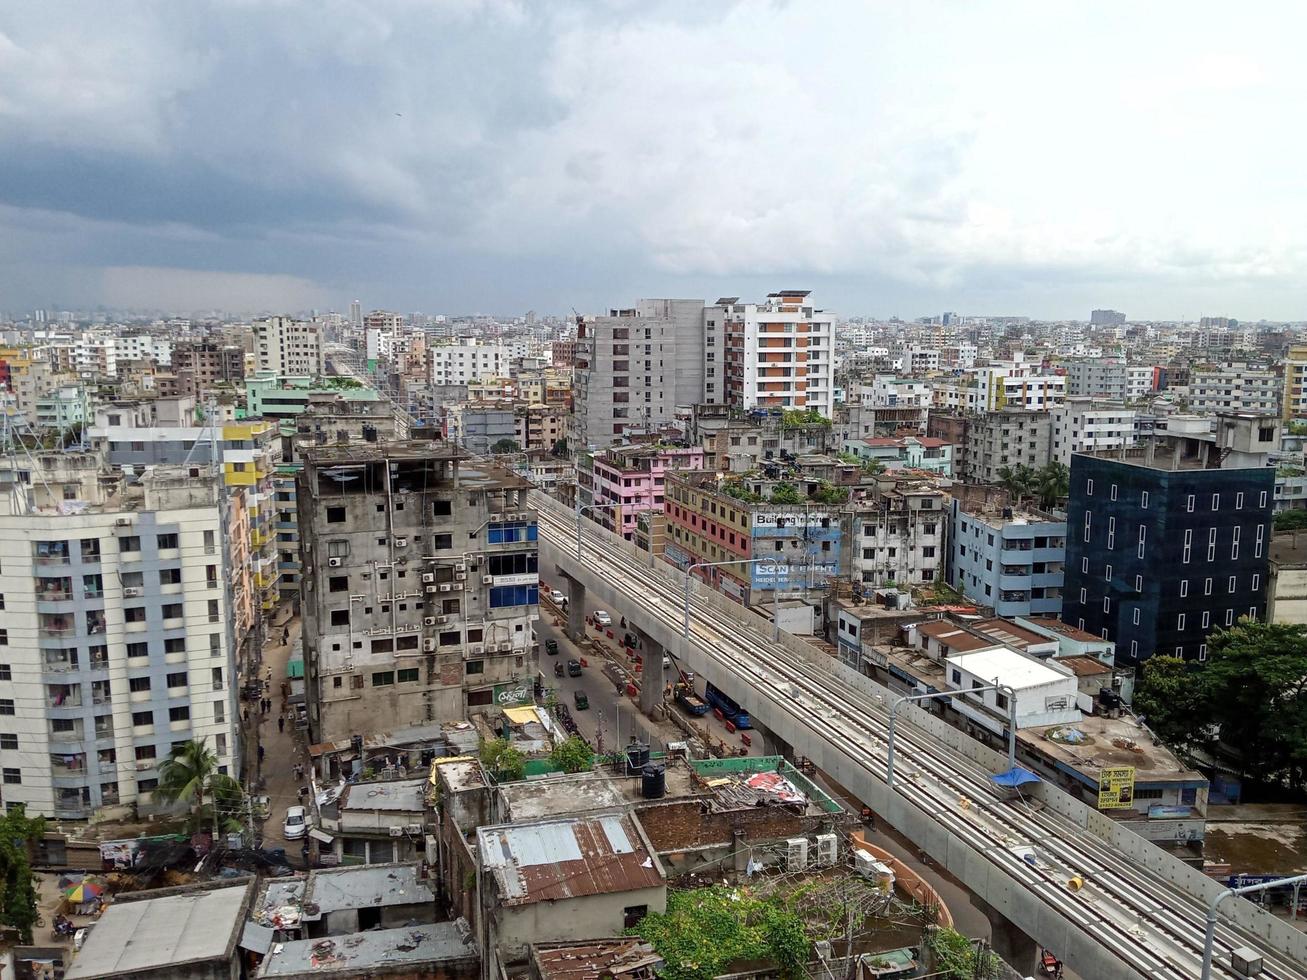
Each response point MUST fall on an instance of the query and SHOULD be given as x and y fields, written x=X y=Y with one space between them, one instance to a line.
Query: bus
x=727 y=706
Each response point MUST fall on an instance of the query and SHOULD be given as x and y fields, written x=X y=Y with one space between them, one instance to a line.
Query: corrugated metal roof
x=567 y=859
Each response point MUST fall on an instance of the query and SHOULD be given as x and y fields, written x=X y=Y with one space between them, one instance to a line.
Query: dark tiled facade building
x=1158 y=558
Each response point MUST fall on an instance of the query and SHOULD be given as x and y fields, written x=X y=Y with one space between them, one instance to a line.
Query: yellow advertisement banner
x=1116 y=788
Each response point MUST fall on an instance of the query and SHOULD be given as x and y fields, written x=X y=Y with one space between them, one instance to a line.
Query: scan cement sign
x=1116 y=788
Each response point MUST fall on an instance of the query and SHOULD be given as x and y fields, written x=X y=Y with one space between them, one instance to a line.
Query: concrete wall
x=574 y=919
x=931 y=831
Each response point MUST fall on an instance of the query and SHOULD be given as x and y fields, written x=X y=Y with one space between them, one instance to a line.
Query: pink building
x=631 y=479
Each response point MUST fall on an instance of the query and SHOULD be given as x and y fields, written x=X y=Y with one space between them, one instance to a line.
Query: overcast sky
x=1028 y=158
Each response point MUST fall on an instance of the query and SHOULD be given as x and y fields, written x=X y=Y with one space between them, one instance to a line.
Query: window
x=1083 y=595
x=1143 y=500
x=1234 y=545
x=1134 y=617
x=166 y=541
x=338 y=549
x=1234 y=579
x=1113 y=493
x=1089 y=488
x=147 y=785
x=1216 y=501
x=1202 y=652
x=1084 y=565
x=62 y=725
x=172 y=610
x=1229 y=617
x=1207 y=586
x=138 y=650
x=13 y=777
x=217 y=678
x=1238 y=505
x=1262 y=499
x=140 y=718
x=1107 y=604
x=442 y=508
x=1257 y=582
x=1179 y=621
x=177 y=679
x=409 y=675
x=8 y=742
x=1107 y=573
x=1188 y=544
x=1184 y=587
x=1207 y=618
x=340 y=617
x=5 y=673
x=219 y=711
x=174 y=644
x=134 y=614
x=181 y=713
x=139 y=684
x=1139 y=583
x=338 y=583
x=1143 y=533
x=1189 y=503
x=144 y=752
x=1088 y=521
x=383 y=678
x=335 y=515
x=476 y=667
x=128 y=544
x=632 y=914
x=514 y=595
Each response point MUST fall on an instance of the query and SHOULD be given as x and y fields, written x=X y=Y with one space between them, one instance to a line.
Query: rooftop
x=366 y=886
x=953 y=636
x=177 y=927
x=460 y=774
x=1085 y=666
x=399 y=795
x=1009 y=667
x=1006 y=631
x=1289 y=549
x=1097 y=742
x=361 y=951
x=1064 y=629
x=564 y=859
x=625 y=959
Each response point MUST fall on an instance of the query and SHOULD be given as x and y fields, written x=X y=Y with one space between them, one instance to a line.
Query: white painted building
x=1236 y=387
x=1086 y=425
x=289 y=347
x=1045 y=691
x=461 y=364
x=144 y=346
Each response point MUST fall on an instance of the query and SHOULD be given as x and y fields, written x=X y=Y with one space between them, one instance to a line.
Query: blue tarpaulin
x=1016 y=776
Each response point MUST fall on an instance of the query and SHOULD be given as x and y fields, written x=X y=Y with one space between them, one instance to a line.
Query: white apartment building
x=144 y=346
x=461 y=364
x=1086 y=425
x=1017 y=384
x=776 y=354
x=888 y=390
x=899 y=536
x=1138 y=382
x=116 y=641
x=96 y=356
x=289 y=347
x=1236 y=387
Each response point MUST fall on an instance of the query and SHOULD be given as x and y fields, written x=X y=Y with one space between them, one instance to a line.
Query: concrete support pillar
x=1016 y=948
x=651 y=673
x=575 y=610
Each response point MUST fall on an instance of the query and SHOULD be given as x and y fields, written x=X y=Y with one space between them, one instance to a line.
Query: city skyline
x=1019 y=160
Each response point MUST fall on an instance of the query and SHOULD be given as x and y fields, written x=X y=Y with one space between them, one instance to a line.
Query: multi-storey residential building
x=95 y=356
x=776 y=354
x=1008 y=438
x=1105 y=378
x=563 y=354
x=461 y=364
x=205 y=364
x=1106 y=318
x=897 y=535
x=145 y=347
x=713 y=519
x=1008 y=558
x=62 y=408
x=1236 y=387
x=420 y=585
x=540 y=426
x=630 y=374
x=630 y=481
x=1164 y=547
x=737 y=441
x=1140 y=381
x=288 y=347
x=910 y=452
x=1086 y=425
x=274 y=397
x=1295 y=384
x=116 y=637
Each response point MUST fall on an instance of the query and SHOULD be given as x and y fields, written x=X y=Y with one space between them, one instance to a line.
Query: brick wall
x=684 y=824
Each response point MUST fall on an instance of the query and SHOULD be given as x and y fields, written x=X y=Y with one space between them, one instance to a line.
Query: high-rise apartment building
x=116 y=637
x=356 y=314
x=461 y=364
x=1163 y=547
x=1086 y=425
x=1236 y=387
x=775 y=354
x=201 y=365
x=1295 y=384
x=1007 y=438
x=634 y=368
x=289 y=347
x=420 y=584
x=1106 y=318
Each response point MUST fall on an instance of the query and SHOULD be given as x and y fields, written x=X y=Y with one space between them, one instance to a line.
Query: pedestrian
x=303 y=792
x=281 y=723
x=285 y=637
x=260 y=755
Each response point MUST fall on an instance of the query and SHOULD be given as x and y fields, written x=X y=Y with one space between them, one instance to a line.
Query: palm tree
x=189 y=774
x=1054 y=483
x=1018 y=481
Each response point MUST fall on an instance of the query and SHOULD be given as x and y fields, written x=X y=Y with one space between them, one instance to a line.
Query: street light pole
x=775 y=593
x=898 y=702
x=1209 y=941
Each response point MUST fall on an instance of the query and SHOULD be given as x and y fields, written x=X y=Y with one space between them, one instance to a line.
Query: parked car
x=581 y=699
x=557 y=598
x=551 y=647
x=603 y=619
x=574 y=668
x=296 y=824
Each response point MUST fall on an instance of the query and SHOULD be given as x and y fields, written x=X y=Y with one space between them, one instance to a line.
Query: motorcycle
x=62 y=927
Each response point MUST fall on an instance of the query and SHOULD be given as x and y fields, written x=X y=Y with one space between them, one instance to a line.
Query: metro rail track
x=1154 y=927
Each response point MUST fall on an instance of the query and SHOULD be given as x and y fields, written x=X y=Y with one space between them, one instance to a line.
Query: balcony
x=104 y=729
x=109 y=797
x=68 y=765
x=63 y=696
x=57 y=627
x=73 y=734
x=61 y=661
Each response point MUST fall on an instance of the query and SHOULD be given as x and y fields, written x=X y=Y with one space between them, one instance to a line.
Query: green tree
x=504 y=762
x=574 y=755
x=190 y=775
x=1052 y=484
x=17 y=885
x=560 y=448
x=955 y=958
x=1291 y=520
x=505 y=446
x=1019 y=480
x=785 y=493
x=1169 y=697
x=1254 y=688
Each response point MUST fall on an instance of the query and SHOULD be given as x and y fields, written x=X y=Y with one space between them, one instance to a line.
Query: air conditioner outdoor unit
x=396 y=831
x=122 y=522
x=487 y=579
x=446 y=587
x=401 y=542
x=413 y=828
x=428 y=646
x=460 y=576
x=429 y=621
x=828 y=850
x=460 y=568
x=441 y=620
x=428 y=577
x=477 y=651
x=796 y=854
x=333 y=562
x=129 y=592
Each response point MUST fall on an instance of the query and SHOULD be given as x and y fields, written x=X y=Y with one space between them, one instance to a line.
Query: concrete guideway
x=1132 y=918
